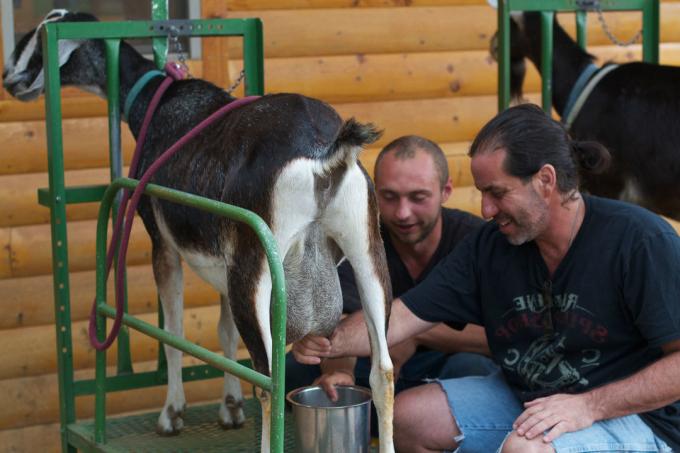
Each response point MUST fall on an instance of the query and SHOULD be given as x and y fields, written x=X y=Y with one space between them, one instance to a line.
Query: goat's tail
x=352 y=138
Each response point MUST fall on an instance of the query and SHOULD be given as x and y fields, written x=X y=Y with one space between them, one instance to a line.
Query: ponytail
x=591 y=156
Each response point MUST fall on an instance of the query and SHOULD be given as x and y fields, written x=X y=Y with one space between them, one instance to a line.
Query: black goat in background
x=634 y=111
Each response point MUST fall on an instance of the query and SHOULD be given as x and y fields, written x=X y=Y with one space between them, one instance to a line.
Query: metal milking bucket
x=325 y=426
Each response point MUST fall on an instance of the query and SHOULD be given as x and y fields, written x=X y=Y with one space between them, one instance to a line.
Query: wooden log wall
x=409 y=66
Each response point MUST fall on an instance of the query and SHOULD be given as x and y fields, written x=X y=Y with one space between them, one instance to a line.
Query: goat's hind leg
x=167 y=270
x=231 y=407
x=352 y=221
x=250 y=288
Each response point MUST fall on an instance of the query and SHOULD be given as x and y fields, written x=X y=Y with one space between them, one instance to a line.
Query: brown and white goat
x=288 y=158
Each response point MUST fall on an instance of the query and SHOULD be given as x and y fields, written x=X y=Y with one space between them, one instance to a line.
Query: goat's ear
x=66 y=48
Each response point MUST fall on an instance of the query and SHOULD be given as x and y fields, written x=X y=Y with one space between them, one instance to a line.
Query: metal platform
x=201 y=433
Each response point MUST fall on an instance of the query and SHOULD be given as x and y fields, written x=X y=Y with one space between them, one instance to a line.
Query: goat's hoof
x=231 y=413
x=170 y=422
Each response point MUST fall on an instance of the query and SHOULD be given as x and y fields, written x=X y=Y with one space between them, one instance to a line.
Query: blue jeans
x=485 y=408
x=425 y=365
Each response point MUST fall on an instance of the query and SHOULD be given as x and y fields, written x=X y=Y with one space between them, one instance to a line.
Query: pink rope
x=128 y=213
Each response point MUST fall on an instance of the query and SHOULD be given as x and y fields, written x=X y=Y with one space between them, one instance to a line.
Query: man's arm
x=650 y=388
x=351 y=336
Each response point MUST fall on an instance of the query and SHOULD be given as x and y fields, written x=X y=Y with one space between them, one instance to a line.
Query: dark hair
x=405 y=148
x=532 y=139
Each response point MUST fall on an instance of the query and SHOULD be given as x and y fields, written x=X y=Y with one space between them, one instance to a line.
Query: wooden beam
x=27 y=301
x=30 y=249
x=37 y=354
x=358 y=78
x=215 y=50
x=5 y=253
x=18 y=195
x=344 y=31
x=250 y=5
x=85 y=145
x=312 y=32
x=34 y=400
x=18 y=192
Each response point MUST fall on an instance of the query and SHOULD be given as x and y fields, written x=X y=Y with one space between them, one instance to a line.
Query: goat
x=633 y=111
x=286 y=157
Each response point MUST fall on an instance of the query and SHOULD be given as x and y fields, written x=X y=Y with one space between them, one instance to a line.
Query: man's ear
x=545 y=180
x=446 y=190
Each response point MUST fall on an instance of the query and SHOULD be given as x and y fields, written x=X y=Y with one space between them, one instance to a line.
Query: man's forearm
x=351 y=336
x=651 y=388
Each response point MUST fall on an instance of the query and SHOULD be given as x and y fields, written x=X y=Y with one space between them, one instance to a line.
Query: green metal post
x=581 y=30
x=57 y=205
x=159 y=11
x=547 y=18
x=503 y=54
x=650 y=32
x=112 y=47
x=253 y=57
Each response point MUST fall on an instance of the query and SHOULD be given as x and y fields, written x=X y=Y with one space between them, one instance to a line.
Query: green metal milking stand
x=111 y=435
x=548 y=8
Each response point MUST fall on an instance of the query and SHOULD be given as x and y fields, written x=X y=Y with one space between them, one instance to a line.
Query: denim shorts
x=485 y=408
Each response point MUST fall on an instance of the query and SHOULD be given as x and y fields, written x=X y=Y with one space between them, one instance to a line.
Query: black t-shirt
x=615 y=299
x=456 y=225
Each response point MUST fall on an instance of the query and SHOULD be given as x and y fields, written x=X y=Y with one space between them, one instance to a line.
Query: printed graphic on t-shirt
x=538 y=333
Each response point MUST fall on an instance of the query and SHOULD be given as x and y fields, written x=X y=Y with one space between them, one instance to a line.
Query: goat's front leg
x=167 y=270
x=352 y=221
x=231 y=406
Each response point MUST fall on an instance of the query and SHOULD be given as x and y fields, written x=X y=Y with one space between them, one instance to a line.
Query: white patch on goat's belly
x=212 y=269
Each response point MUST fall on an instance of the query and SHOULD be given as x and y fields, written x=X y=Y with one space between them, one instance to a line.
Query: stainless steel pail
x=324 y=426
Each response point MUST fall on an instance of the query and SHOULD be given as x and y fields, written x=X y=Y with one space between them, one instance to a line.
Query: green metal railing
x=548 y=8
x=57 y=196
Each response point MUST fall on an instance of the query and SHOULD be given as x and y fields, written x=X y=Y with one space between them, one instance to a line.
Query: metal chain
x=608 y=32
x=238 y=81
x=177 y=48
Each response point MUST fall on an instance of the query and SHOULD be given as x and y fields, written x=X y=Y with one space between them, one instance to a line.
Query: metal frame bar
x=55 y=197
x=650 y=36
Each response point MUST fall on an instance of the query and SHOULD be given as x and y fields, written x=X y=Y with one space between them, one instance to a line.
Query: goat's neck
x=568 y=60
x=87 y=69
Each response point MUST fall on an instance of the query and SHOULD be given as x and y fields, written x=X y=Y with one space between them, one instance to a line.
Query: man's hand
x=311 y=349
x=329 y=380
x=556 y=414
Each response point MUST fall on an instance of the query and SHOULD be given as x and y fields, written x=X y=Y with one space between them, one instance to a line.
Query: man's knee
x=515 y=443
x=423 y=420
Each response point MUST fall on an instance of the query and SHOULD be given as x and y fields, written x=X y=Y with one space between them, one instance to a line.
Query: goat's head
x=519 y=48
x=23 y=75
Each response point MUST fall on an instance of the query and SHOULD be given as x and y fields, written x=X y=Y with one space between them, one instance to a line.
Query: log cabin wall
x=409 y=66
